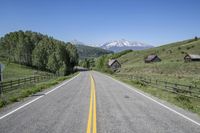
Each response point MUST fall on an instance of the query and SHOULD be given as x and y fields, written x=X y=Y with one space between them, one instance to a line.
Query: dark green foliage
x=87 y=63
x=72 y=58
x=39 y=51
x=90 y=52
x=18 y=47
x=53 y=63
x=40 y=55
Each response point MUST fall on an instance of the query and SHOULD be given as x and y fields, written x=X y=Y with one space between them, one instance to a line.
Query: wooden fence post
x=190 y=87
x=175 y=87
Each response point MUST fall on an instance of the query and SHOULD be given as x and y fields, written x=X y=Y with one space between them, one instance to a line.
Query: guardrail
x=14 y=84
x=181 y=89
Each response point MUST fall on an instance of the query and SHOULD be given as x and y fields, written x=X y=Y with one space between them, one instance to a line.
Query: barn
x=191 y=57
x=152 y=58
x=114 y=64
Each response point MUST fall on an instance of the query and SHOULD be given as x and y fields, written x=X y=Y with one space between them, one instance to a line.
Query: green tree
x=40 y=55
x=72 y=59
x=40 y=51
x=53 y=63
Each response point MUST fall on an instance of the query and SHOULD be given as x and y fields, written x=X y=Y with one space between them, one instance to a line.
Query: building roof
x=193 y=56
x=150 y=57
x=111 y=61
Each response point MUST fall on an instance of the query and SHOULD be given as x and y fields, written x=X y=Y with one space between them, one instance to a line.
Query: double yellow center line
x=92 y=121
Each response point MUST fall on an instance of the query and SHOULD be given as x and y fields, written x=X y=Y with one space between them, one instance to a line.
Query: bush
x=185 y=101
x=2 y=102
x=183 y=98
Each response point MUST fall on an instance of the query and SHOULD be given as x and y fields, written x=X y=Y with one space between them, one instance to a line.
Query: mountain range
x=90 y=51
x=120 y=45
x=86 y=51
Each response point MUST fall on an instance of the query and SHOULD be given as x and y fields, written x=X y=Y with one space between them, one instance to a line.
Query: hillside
x=171 y=68
x=14 y=71
x=38 y=51
x=85 y=51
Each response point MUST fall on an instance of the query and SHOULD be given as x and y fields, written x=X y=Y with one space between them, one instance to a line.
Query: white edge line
x=174 y=111
x=11 y=112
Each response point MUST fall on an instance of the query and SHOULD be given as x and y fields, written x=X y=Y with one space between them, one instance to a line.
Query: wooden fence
x=185 y=90
x=14 y=84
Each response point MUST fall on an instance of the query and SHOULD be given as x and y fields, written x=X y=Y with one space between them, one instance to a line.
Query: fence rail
x=14 y=84
x=181 y=89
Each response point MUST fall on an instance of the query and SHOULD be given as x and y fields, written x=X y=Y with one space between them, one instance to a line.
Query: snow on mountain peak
x=119 y=45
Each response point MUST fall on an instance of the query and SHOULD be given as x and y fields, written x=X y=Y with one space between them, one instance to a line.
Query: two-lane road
x=96 y=103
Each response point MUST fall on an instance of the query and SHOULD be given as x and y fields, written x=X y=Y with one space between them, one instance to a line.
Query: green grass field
x=14 y=71
x=172 y=67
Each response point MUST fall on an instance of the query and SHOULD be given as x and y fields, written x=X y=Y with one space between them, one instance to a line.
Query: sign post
x=1 y=79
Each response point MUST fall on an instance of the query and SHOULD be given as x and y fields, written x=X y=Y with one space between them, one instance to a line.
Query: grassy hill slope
x=172 y=67
x=15 y=71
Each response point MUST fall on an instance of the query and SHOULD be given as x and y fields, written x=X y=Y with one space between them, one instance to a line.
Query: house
x=152 y=58
x=191 y=57
x=114 y=64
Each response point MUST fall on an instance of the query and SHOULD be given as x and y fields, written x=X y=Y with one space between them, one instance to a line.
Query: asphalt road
x=98 y=101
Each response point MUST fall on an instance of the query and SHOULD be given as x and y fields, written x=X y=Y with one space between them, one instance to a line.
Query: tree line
x=39 y=51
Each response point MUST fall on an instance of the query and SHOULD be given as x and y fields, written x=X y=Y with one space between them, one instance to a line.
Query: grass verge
x=28 y=90
x=190 y=104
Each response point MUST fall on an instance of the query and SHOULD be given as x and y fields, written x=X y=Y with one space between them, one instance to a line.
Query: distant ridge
x=76 y=42
x=120 y=45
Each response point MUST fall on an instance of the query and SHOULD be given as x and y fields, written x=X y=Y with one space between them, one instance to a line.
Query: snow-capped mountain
x=123 y=44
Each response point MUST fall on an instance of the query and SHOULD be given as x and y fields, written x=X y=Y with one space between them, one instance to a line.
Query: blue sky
x=154 y=22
